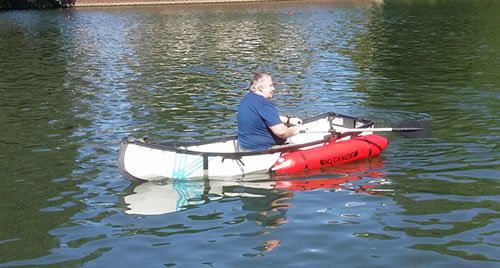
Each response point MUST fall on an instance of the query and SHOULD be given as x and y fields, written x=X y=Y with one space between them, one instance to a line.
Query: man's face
x=268 y=88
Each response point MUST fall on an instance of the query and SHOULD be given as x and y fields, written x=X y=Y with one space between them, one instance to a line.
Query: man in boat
x=259 y=124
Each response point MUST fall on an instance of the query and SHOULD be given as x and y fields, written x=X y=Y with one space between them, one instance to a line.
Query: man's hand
x=294 y=130
x=295 y=121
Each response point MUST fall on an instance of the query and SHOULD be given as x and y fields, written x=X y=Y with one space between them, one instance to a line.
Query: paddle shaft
x=407 y=129
x=354 y=130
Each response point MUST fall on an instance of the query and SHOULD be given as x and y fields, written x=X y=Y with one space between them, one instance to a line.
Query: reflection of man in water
x=267 y=208
x=270 y=245
x=270 y=209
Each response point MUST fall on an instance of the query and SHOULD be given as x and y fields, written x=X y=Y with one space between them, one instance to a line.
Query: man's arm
x=284 y=132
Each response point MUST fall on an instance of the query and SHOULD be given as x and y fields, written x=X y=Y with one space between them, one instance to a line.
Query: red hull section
x=334 y=153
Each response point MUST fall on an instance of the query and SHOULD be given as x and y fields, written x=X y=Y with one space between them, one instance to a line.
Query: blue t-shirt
x=255 y=115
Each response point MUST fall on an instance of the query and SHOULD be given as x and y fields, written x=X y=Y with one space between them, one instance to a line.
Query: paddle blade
x=424 y=127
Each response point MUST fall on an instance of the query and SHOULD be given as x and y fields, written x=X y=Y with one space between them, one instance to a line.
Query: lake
x=74 y=82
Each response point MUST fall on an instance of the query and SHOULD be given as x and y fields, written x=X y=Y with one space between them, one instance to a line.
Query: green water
x=73 y=82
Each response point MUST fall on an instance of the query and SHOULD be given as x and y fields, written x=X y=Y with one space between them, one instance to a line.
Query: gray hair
x=257 y=82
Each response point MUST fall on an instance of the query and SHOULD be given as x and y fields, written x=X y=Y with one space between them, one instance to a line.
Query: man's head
x=262 y=84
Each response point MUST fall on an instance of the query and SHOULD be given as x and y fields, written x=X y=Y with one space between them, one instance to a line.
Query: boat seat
x=349 y=123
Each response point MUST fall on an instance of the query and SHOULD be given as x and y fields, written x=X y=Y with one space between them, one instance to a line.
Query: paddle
x=407 y=129
x=424 y=132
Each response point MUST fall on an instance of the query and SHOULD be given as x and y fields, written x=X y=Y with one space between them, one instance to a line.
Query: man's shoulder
x=251 y=96
x=251 y=99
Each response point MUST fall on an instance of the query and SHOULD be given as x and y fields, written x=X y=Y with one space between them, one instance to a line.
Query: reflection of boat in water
x=152 y=198
x=372 y=168
x=171 y=195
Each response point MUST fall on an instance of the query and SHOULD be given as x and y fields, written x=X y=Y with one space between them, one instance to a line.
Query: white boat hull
x=220 y=158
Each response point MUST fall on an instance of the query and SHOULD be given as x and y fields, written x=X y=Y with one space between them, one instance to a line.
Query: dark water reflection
x=74 y=82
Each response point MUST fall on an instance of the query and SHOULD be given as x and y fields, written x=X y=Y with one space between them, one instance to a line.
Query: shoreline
x=110 y=3
x=105 y=3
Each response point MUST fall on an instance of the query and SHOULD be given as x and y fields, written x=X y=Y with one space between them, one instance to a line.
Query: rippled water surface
x=73 y=82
